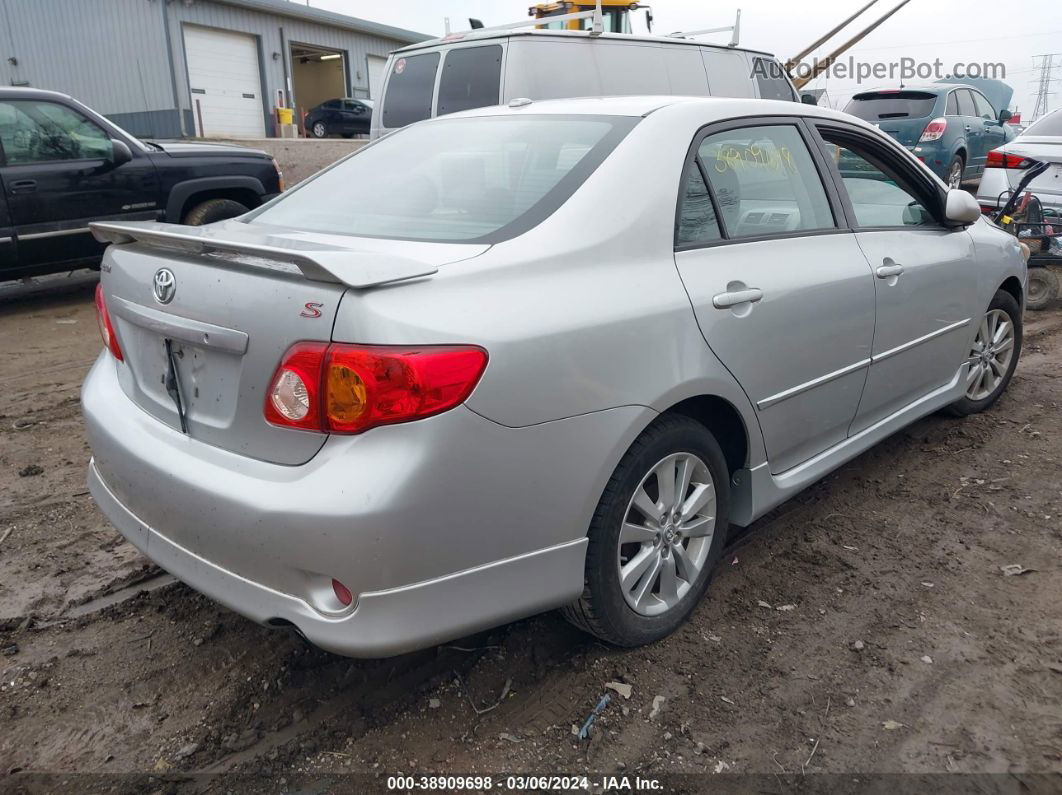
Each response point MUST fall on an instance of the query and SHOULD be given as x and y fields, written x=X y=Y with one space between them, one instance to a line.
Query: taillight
x=103 y=319
x=934 y=131
x=998 y=159
x=280 y=175
x=342 y=388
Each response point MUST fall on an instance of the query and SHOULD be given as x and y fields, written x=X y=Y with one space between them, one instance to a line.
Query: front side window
x=984 y=107
x=478 y=180
x=32 y=131
x=471 y=78
x=410 y=89
x=772 y=82
x=765 y=181
x=880 y=195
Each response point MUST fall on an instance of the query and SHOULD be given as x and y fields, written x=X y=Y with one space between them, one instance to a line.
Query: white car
x=1006 y=165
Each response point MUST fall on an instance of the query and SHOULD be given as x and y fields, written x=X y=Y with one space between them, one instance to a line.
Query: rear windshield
x=892 y=105
x=475 y=180
x=1048 y=125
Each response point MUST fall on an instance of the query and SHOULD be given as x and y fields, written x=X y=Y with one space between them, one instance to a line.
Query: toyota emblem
x=165 y=285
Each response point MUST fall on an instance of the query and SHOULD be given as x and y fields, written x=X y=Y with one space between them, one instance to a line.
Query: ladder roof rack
x=596 y=28
x=734 y=29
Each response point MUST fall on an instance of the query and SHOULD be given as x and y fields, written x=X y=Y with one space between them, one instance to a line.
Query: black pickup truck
x=63 y=165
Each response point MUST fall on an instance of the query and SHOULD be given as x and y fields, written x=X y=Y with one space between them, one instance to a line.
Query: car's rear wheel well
x=1012 y=286
x=245 y=196
x=723 y=421
x=961 y=152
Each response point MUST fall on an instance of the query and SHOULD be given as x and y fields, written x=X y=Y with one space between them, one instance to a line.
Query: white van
x=479 y=68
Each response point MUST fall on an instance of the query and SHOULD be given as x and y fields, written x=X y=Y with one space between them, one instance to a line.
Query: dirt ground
x=865 y=627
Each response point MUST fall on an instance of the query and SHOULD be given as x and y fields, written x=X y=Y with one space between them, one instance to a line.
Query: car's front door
x=924 y=284
x=59 y=173
x=8 y=256
x=782 y=293
x=992 y=132
x=355 y=119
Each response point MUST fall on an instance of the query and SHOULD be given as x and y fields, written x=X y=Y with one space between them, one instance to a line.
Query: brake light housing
x=348 y=389
x=998 y=159
x=103 y=320
x=934 y=131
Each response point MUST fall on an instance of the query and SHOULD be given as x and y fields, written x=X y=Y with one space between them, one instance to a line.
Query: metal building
x=167 y=68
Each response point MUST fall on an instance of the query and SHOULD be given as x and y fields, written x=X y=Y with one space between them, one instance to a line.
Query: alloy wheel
x=990 y=356
x=955 y=175
x=666 y=533
x=319 y=130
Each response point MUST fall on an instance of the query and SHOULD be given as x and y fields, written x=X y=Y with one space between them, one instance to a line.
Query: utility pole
x=1043 y=92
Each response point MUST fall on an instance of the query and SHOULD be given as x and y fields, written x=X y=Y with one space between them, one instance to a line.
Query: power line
x=1043 y=92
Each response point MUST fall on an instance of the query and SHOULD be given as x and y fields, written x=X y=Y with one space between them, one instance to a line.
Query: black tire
x=959 y=163
x=1043 y=288
x=319 y=129
x=213 y=210
x=967 y=406
x=601 y=609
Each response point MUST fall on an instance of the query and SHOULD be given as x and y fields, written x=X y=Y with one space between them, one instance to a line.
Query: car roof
x=928 y=88
x=25 y=92
x=643 y=105
x=487 y=34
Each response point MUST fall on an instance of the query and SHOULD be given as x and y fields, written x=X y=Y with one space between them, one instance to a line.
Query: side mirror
x=120 y=152
x=808 y=99
x=1005 y=116
x=961 y=209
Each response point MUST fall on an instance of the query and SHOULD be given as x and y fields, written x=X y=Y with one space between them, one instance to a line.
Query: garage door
x=376 y=76
x=225 y=82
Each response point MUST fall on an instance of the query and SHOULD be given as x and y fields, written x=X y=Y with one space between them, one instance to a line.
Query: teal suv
x=949 y=127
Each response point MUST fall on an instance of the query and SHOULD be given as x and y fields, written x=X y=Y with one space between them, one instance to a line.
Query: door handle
x=889 y=270
x=24 y=186
x=749 y=295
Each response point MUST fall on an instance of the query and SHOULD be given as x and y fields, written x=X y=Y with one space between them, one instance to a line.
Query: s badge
x=312 y=309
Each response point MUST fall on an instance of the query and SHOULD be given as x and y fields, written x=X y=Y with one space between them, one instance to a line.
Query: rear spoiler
x=317 y=263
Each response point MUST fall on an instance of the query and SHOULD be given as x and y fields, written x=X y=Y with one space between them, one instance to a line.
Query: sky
x=954 y=32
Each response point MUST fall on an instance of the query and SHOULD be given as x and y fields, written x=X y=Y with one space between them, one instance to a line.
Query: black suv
x=63 y=165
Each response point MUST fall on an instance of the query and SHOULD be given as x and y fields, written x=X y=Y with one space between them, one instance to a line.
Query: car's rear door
x=59 y=174
x=925 y=290
x=782 y=293
x=973 y=131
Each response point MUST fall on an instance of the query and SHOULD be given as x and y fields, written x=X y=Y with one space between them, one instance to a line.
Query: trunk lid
x=238 y=296
x=900 y=114
x=1047 y=149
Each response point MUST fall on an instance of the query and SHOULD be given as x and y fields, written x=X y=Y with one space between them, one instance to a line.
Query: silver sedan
x=531 y=357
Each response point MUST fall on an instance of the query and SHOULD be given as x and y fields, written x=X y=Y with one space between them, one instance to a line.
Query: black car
x=63 y=165
x=346 y=117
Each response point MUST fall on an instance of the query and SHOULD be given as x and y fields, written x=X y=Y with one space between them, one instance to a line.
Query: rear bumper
x=384 y=623
x=440 y=527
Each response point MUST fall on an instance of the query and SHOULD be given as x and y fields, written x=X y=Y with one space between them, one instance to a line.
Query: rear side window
x=765 y=181
x=728 y=73
x=772 y=82
x=878 y=106
x=953 y=105
x=697 y=222
x=966 y=103
x=471 y=78
x=410 y=89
